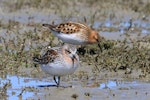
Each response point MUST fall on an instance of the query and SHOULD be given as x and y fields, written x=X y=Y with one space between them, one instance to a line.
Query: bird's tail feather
x=36 y=59
x=49 y=26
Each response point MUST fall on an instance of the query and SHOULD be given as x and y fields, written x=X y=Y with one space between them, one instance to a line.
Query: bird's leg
x=58 y=81
x=55 y=79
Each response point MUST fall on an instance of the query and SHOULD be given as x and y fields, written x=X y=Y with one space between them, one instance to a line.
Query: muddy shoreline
x=121 y=71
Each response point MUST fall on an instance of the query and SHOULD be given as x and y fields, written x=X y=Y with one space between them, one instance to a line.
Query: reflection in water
x=109 y=84
x=17 y=84
x=145 y=31
x=124 y=85
x=108 y=24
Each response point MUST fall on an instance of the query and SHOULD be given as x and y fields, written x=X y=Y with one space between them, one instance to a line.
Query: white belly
x=70 y=38
x=59 y=70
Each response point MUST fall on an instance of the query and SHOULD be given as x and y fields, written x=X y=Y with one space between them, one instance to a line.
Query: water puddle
x=18 y=83
x=126 y=85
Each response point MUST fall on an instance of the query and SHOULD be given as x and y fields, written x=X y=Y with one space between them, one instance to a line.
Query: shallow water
x=18 y=83
x=124 y=84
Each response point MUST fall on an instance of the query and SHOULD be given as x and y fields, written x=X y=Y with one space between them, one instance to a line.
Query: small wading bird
x=74 y=33
x=59 y=61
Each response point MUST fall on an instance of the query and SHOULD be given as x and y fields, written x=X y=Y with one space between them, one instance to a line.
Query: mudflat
x=120 y=72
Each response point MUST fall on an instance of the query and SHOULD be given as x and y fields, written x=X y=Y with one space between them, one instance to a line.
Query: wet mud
x=120 y=72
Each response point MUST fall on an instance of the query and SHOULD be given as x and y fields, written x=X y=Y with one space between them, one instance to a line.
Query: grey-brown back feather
x=49 y=56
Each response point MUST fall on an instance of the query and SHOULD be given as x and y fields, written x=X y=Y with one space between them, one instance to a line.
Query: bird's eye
x=68 y=51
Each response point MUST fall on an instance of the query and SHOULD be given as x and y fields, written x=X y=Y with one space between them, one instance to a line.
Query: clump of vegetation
x=118 y=55
x=17 y=48
x=146 y=8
